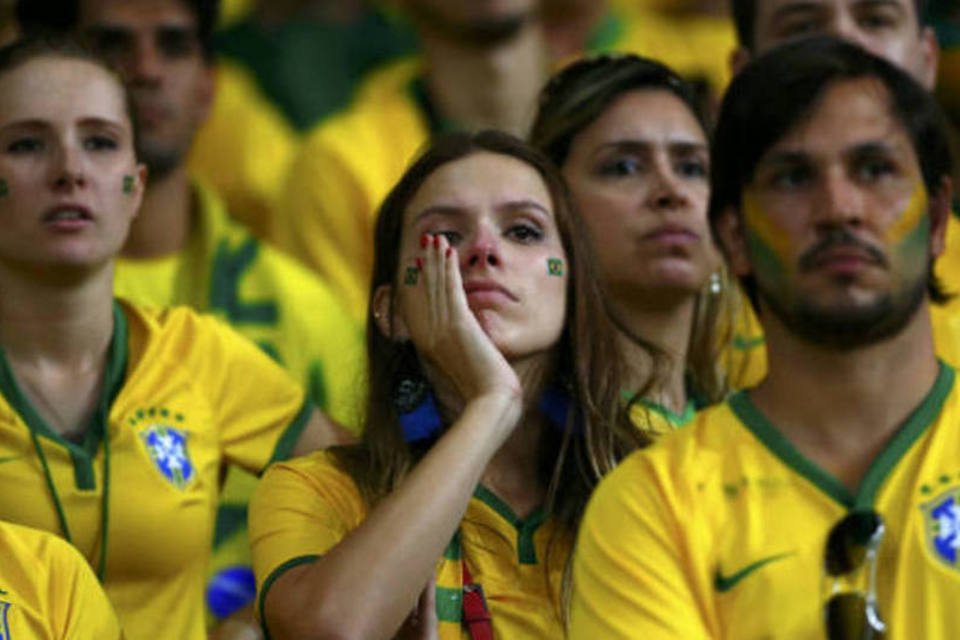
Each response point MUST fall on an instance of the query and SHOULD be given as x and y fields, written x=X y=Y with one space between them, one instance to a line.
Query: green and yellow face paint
x=555 y=267
x=128 y=182
x=4 y=188
x=909 y=236
x=768 y=244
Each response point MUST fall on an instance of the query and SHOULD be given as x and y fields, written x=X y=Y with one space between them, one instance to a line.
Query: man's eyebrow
x=794 y=8
x=785 y=157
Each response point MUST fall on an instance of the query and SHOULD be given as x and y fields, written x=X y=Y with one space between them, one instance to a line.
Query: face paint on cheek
x=909 y=236
x=767 y=244
x=411 y=277
x=555 y=267
x=128 y=184
x=4 y=188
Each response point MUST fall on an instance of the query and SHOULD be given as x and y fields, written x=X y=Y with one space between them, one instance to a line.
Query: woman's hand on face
x=452 y=340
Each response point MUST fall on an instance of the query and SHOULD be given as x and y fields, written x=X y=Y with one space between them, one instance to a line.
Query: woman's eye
x=524 y=233
x=620 y=167
x=453 y=237
x=99 y=143
x=25 y=145
x=692 y=169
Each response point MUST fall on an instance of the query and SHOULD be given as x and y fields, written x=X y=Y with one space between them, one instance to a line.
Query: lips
x=672 y=234
x=68 y=216
x=485 y=291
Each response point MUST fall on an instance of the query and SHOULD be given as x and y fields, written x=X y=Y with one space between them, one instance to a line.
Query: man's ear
x=739 y=58
x=940 y=203
x=385 y=314
x=733 y=243
x=929 y=59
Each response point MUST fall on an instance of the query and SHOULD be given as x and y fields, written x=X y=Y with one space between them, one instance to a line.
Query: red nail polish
x=419 y=262
x=436 y=241
x=424 y=240
x=449 y=251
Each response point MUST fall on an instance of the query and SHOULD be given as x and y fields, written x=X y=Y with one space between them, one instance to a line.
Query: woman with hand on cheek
x=493 y=411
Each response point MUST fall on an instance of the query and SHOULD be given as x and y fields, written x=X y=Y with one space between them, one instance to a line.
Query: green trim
x=317 y=384
x=288 y=440
x=725 y=583
x=526 y=550
x=913 y=427
x=82 y=454
x=454 y=550
x=675 y=419
x=449 y=604
x=276 y=573
x=607 y=34
x=745 y=343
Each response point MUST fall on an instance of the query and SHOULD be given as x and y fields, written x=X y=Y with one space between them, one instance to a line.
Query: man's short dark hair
x=744 y=14
x=781 y=88
x=37 y=17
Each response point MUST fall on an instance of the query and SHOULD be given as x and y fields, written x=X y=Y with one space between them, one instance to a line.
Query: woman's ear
x=386 y=315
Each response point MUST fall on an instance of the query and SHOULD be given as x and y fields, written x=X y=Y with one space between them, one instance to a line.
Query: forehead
x=847 y=115
x=61 y=88
x=647 y=114
x=480 y=180
x=768 y=11
x=136 y=13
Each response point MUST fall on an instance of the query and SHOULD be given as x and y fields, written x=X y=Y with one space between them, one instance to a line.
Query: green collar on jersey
x=911 y=430
x=82 y=453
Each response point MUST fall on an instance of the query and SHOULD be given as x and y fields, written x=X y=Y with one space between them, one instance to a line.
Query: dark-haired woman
x=493 y=411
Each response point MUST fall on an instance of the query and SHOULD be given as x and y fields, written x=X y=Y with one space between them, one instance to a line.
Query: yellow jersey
x=718 y=531
x=183 y=396
x=48 y=592
x=345 y=168
x=304 y=507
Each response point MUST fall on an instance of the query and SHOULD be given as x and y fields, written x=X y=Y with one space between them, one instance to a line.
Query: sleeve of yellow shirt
x=628 y=573
x=260 y=409
x=300 y=510
x=323 y=221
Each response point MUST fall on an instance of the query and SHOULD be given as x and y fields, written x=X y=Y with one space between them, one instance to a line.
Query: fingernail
x=419 y=262
x=436 y=241
x=424 y=241
x=448 y=251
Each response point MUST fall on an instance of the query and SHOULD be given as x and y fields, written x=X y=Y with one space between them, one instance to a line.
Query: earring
x=716 y=283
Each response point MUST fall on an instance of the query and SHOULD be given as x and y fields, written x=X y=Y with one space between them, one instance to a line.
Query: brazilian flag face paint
x=128 y=182
x=767 y=244
x=909 y=235
x=4 y=188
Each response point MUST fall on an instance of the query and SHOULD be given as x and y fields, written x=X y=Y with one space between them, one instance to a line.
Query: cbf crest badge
x=942 y=526
x=168 y=450
x=4 y=626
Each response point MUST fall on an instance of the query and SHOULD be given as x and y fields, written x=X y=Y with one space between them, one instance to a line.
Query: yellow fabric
x=346 y=166
x=244 y=149
x=718 y=531
x=187 y=377
x=750 y=354
x=48 y=592
x=304 y=507
x=695 y=46
x=265 y=296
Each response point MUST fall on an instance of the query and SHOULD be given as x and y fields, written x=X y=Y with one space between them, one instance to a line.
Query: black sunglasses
x=851 y=609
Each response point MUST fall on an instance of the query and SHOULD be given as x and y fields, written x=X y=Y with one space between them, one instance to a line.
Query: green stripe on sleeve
x=289 y=438
x=449 y=604
x=276 y=573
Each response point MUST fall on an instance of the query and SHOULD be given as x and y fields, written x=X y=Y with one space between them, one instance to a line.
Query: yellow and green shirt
x=48 y=591
x=718 y=531
x=304 y=507
x=183 y=396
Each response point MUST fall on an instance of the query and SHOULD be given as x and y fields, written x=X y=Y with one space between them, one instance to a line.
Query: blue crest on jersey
x=168 y=450
x=4 y=628
x=942 y=523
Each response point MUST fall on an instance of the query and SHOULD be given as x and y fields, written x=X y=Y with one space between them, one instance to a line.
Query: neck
x=162 y=226
x=569 y=25
x=862 y=395
x=483 y=88
x=53 y=323
x=668 y=329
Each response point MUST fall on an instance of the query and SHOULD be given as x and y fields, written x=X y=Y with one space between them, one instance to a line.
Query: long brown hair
x=585 y=362
x=575 y=98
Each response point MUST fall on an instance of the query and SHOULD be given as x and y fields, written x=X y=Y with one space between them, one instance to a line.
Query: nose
x=845 y=27
x=666 y=190
x=145 y=62
x=69 y=171
x=483 y=250
x=840 y=202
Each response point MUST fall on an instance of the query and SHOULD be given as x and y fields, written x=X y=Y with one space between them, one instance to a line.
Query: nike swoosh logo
x=725 y=583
